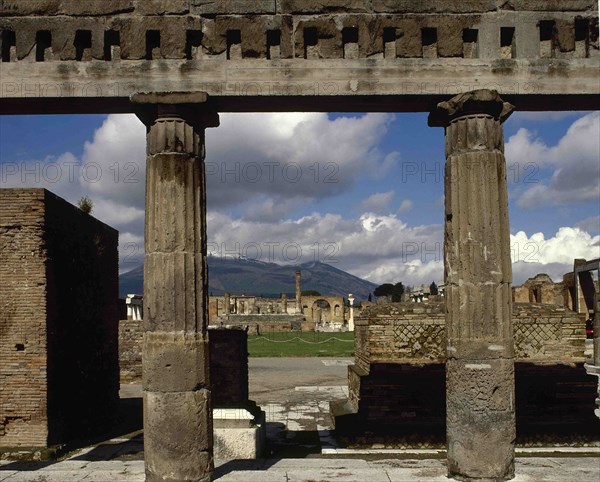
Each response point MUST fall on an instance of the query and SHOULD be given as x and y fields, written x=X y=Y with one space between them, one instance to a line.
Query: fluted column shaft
x=478 y=275
x=178 y=434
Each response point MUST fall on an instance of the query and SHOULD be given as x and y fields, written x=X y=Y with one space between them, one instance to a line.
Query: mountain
x=249 y=277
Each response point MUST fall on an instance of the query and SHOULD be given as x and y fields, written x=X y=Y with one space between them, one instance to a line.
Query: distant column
x=298 y=292
x=351 y=319
x=178 y=433
x=480 y=388
x=284 y=303
x=227 y=302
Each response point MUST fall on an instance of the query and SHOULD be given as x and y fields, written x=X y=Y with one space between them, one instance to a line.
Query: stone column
x=178 y=434
x=480 y=389
x=298 y=292
x=227 y=302
x=351 y=318
x=284 y=303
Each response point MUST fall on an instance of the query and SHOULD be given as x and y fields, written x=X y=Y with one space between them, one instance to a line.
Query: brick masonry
x=58 y=320
x=228 y=361
x=397 y=384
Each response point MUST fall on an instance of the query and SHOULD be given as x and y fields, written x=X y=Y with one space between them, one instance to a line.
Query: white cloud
x=554 y=256
x=296 y=155
x=378 y=202
x=405 y=206
x=575 y=160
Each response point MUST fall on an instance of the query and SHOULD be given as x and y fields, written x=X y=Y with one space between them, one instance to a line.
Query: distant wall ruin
x=58 y=323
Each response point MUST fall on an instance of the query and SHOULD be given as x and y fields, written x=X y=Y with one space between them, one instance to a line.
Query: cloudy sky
x=363 y=192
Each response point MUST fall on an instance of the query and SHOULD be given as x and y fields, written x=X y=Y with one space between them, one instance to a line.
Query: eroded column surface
x=478 y=275
x=178 y=434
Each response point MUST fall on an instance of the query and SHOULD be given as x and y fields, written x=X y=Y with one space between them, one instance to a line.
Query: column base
x=178 y=436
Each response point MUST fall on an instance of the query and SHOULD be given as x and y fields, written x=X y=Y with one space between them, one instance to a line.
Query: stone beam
x=480 y=387
x=282 y=55
x=178 y=433
x=409 y=85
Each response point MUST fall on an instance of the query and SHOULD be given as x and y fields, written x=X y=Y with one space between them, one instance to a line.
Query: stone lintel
x=477 y=102
x=196 y=108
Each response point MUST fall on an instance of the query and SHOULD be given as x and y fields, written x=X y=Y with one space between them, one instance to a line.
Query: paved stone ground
x=295 y=395
x=529 y=469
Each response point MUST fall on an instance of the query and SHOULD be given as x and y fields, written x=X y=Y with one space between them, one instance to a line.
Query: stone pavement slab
x=529 y=469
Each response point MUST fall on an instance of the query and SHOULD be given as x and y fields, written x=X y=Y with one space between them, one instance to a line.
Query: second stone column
x=480 y=390
x=178 y=434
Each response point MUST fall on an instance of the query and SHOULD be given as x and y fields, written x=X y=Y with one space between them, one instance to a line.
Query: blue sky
x=361 y=191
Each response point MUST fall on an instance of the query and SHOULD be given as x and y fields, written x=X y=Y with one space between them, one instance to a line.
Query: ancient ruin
x=58 y=345
x=397 y=382
x=193 y=58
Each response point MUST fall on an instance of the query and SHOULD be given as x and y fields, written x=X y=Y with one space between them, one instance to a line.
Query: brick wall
x=131 y=333
x=228 y=360
x=397 y=384
x=59 y=358
x=228 y=366
x=23 y=342
x=415 y=333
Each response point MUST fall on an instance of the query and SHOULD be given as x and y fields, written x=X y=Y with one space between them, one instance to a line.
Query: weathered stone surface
x=323 y=6
x=480 y=355
x=161 y=7
x=178 y=434
x=177 y=408
x=29 y=7
x=95 y=7
x=175 y=362
x=213 y=7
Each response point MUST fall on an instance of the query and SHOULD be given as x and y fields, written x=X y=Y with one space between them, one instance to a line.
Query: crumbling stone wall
x=397 y=383
x=228 y=348
x=540 y=289
x=269 y=29
x=131 y=335
x=415 y=333
x=59 y=292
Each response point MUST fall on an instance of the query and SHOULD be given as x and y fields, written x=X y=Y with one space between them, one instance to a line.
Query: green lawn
x=301 y=344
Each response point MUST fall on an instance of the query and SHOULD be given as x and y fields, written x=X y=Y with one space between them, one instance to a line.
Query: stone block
x=29 y=7
x=95 y=7
x=162 y=7
x=328 y=38
x=239 y=434
x=565 y=35
x=438 y=6
x=229 y=7
x=323 y=6
x=178 y=435
x=174 y=362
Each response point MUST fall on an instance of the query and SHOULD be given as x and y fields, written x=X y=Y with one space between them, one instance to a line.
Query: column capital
x=477 y=102
x=196 y=108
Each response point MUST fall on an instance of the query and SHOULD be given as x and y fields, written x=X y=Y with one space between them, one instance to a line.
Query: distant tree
x=370 y=297
x=385 y=289
x=397 y=292
x=311 y=293
x=85 y=204
x=433 y=289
